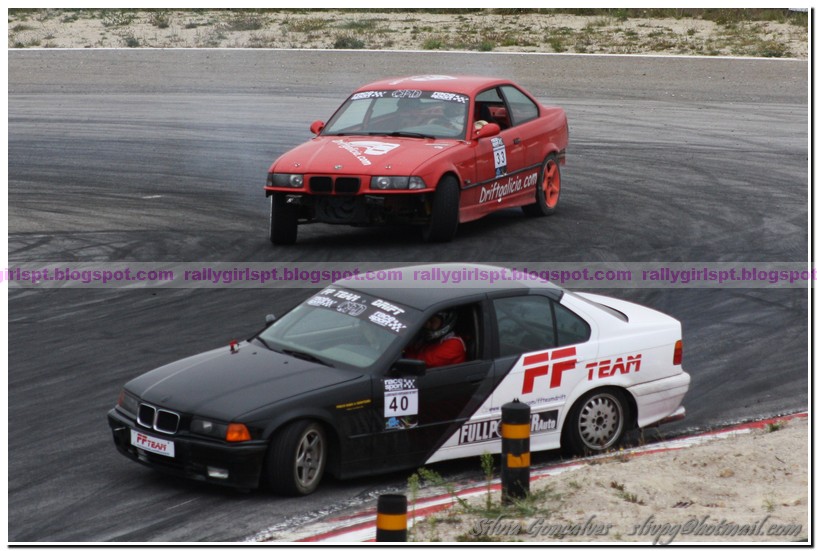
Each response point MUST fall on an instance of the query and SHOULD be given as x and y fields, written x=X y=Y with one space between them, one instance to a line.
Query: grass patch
x=308 y=25
x=360 y=25
x=433 y=43
x=246 y=21
x=159 y=18
x=348 y=42
x=557 y=44
x=771 y=48
x=629 y=497
x=117 y=18
x=131 y=41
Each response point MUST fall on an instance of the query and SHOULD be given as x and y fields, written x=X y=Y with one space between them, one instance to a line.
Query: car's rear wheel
x=283 y=221
x=596 y=422
x=547 y=190
x=445 y=212
x=297 y=459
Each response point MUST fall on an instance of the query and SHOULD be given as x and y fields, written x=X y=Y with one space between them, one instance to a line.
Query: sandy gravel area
x=384 y=29
x=746 y=488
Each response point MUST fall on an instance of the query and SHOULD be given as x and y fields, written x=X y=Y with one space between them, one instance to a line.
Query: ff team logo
x=539 y=365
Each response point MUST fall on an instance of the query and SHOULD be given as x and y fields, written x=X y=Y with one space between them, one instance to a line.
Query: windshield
x=340 y=327
x=412 y=113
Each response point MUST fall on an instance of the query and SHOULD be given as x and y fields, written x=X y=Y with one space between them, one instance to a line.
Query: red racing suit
x=449 y=350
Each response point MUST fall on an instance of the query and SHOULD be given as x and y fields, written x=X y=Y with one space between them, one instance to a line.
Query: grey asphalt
x=671 y=159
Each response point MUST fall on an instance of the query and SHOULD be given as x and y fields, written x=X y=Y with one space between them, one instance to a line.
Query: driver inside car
x=438 y=345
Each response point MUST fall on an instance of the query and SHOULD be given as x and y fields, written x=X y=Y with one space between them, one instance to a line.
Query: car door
x=541 y=346
x=523 y=114
x=497 y=158
x=420 y=413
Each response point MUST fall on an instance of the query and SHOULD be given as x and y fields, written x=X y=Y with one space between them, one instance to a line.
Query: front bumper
x=194 y=457
x=397 y=207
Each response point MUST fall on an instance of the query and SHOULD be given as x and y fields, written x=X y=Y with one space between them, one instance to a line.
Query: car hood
x=369 y=155
x=223 y=385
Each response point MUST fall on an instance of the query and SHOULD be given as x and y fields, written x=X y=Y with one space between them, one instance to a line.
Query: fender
x=278 y=421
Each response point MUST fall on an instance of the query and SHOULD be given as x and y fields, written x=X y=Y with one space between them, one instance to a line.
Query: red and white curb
x=361 y=526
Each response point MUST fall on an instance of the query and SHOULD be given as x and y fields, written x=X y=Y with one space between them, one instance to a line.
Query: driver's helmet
x=448 y=319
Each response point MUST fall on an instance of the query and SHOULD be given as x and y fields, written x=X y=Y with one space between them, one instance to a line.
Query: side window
x=525 y=324
x=490 y=107
x=570 y=328
x=523 y=109
x=449 y=337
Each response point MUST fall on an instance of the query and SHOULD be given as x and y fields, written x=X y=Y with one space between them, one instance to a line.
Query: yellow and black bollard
x=515 y=451
x=391 y=518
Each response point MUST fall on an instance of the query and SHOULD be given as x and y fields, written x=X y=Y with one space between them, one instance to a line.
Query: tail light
x=679 y=353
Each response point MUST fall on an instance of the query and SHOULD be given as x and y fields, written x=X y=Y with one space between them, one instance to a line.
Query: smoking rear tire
x=445 y=212
x=548 y=189
x=283 y=221
x=297 y=459
x=596 y=422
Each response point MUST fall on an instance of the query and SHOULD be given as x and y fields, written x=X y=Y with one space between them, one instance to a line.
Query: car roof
x=417 y=292
x=462 y=84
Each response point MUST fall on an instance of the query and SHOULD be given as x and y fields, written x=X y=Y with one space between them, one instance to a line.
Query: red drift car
x=431 y=151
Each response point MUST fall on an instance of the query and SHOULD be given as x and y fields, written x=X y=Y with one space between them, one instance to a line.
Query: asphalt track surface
x=670 y=159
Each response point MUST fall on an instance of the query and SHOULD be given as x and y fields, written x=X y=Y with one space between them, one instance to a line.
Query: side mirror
x=405 y=366
x=316 y=127
x=487 y=131
x=270 y=319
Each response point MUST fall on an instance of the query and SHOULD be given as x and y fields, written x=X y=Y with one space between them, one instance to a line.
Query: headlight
x=231 y=432
x=397 y=182
x=285 y=180
x=127 y=403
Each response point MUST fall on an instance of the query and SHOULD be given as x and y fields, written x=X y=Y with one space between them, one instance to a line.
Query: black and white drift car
x=326 y=388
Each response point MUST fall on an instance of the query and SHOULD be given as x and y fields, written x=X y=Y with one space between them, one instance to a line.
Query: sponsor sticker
x=324 y=302
x=350 y=406
x=378 y=311
x=609 y=368
x=544 y=364
x=482 y=431
x=513 y=184
x=360 y=149
x=367 y=95
x=448 y=96
x=400 y=398
x=389 y=322
x=152 y=444
x=352 y=308
x=500 y=157
x=413 y=94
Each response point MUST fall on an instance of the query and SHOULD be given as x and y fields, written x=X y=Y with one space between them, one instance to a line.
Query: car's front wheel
x=596 y=422
x=283 y=221
x=548 y=189
x=297 y=459
x=445 y=212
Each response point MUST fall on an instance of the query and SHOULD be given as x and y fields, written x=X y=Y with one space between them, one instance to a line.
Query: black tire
x=296 y=459
x=283 y=221
x=548 y=189
x=445 y=212
x=596 y=423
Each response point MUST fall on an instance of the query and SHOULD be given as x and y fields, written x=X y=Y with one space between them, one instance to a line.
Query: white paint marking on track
x=423 y=52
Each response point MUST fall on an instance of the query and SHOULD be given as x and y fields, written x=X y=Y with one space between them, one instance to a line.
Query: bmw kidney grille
x=160 y=420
